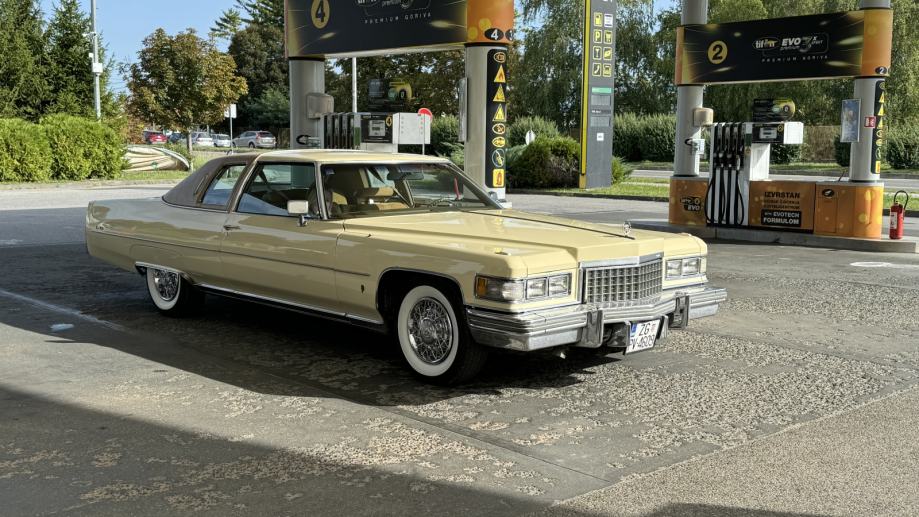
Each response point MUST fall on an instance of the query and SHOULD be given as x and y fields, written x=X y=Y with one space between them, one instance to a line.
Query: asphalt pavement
x=798 y=398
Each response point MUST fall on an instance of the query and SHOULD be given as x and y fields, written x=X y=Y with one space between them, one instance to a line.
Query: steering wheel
x=268 y=186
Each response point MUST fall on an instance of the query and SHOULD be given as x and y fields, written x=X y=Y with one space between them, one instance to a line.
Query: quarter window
x=218 y=193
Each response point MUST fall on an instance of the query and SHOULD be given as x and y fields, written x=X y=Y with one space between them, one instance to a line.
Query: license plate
x=643 y=336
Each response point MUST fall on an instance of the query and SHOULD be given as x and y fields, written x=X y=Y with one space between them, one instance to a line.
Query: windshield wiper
x=436 y=203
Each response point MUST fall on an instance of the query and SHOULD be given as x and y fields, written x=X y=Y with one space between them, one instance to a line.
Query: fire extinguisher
x=897 y=213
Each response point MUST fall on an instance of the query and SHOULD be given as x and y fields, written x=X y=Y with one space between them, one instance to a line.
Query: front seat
x=333 y=205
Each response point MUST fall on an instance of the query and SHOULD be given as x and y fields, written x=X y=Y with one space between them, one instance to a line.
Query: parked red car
x=154 y=138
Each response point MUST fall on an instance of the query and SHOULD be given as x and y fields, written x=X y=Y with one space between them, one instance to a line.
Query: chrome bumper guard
x=580 y=325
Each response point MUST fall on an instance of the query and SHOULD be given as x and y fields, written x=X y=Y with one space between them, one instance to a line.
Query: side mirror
x=298 y=207
x=301 y=209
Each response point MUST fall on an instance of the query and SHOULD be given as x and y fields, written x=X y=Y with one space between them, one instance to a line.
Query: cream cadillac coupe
x=403 y=244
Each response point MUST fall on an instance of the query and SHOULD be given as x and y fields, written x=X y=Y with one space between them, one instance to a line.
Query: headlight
x=499 y=290
x=537 y=287
x=560 y=285
x=531 y=289
x=683 y=268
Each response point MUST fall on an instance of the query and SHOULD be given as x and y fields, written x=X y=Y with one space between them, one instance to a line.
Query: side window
x=274 y=185
x=219 y=192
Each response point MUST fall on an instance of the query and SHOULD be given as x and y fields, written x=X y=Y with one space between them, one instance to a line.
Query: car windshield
x=264 y=134
x=367 y=190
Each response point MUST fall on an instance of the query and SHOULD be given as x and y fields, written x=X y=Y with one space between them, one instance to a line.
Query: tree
x=268 y=13
x=183 y=81
x=229 y=23
x=271 y=110
x=259 y=55
x=23 y=86
x=69 y=75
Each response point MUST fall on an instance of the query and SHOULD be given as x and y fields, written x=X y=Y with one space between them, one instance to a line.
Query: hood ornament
x=627 y=228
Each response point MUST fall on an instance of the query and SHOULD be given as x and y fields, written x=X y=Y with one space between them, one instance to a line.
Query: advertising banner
x=782 y=204
x=347 y=28
x=822 y=46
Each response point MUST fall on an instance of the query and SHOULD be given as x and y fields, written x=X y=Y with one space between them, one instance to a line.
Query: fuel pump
x=740 y=153
x=381 y=132
x=725 y=202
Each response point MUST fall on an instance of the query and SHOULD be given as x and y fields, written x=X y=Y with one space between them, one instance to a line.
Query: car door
x=195 y=224
x=267 y=253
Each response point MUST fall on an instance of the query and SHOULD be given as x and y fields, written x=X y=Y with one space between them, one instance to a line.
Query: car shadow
x=63 y=457
x=299 y=354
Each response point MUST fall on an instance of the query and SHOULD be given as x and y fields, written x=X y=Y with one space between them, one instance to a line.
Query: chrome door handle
x=231 y=227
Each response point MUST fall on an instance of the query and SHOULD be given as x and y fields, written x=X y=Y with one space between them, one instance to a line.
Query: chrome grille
x=622 y=284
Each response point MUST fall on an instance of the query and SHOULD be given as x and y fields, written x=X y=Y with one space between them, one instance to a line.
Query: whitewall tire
x=433 y=337
x=171 y=293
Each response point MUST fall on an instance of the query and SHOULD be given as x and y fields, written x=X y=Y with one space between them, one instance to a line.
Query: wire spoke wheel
x=430 y=331
x=166 y=283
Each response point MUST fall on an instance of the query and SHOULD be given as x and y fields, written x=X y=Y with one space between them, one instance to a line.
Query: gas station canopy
x=320 y=28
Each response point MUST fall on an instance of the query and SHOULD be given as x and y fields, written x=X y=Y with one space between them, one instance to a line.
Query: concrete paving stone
x=862 y=462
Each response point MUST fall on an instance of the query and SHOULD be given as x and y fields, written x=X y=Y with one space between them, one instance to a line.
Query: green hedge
x=25 y=154
x=784 y=154
x=902 y=149
x=620 y=171
x=546 y=163
x=843 y=152
x=445 y=135
x=82 y=148
x=627 y=137
x=644 y=138
x=540 y=126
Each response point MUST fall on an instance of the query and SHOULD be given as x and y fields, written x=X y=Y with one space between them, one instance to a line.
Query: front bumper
x=583 y=324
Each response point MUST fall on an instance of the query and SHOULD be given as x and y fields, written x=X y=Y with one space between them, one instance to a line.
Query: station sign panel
x=597 y=96
x=350 y=28
x=496 y=128
x=822 y=46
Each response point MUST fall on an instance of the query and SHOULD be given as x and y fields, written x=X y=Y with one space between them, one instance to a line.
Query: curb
x=908 y=246
x=803 y=172
x=909 y=213
x=586 y=195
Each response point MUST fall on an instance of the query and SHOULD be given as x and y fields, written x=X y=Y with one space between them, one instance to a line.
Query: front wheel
x=172 y=294
x=434 y=338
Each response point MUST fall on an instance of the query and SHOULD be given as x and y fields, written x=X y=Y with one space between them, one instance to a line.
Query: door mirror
x=298 y=207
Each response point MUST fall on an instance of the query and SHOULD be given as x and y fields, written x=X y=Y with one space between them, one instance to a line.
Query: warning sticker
x=500 y=97
x=501 y=77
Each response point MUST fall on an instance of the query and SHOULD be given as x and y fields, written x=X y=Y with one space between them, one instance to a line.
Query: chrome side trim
x=287 y=303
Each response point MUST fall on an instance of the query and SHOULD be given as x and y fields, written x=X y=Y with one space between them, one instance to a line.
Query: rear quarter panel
x=125 y=232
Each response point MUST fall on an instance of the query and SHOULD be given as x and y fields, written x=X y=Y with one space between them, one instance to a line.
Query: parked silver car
x=202 y=139
x=256 y=139
x=221 y=140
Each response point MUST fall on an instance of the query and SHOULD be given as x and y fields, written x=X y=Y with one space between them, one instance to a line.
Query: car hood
x=544 y=243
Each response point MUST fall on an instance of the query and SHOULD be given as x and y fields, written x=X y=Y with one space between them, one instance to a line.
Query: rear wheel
x=172 y=294
x=251 y=145
x=434 y=338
